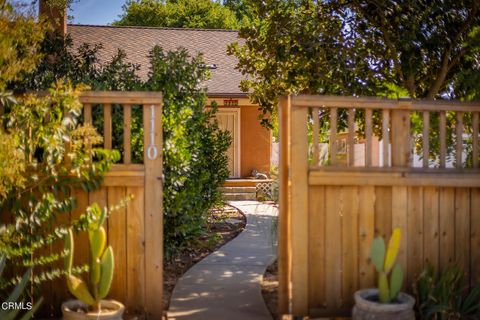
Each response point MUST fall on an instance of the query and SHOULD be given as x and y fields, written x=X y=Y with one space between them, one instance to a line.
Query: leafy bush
x=195 y=160
x=52 y=158
x=446 y=296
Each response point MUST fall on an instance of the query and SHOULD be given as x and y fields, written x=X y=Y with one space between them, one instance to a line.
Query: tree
x=240 y=8
x=419 y=45
x=429 y=49
x=203 y=14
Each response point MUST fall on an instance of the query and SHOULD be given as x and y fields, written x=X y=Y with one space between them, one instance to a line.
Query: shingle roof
x=138 y=41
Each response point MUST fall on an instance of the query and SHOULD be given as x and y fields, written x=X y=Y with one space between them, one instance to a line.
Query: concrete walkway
x=227 y=283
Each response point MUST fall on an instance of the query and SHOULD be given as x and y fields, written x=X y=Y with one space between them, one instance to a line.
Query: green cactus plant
x=101 y=265
x=390 y=275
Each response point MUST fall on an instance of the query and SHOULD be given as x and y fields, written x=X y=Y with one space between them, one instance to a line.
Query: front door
x=229 y=119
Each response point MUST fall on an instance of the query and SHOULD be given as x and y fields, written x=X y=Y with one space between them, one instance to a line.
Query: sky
x=99 y=12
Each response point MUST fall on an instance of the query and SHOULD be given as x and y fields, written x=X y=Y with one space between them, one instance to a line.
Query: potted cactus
x=386 y=301
x=91 y=304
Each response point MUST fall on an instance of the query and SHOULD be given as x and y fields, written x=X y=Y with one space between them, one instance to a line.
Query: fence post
x=401 y=137
x=299 y=208
x=284 y=261
x=152 y=123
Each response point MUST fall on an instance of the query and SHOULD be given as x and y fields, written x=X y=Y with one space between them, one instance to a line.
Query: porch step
x=238 y=189
x=238 y=196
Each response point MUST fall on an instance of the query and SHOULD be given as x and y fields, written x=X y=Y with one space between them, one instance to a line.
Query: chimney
x=56 y=15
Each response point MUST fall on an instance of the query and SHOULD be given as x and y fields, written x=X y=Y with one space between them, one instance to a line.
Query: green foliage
x=446 y=295
x=241 y=9
x=17 y=296
x=45 y=135
x=19 y=40
x=429 y=49
x=203 y=14
x=101 y=263
x=195 y=161
x=384 y=261
x=44 y=155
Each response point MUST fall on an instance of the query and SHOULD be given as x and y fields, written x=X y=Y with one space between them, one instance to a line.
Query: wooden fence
x=136 y=231
x=331 y=209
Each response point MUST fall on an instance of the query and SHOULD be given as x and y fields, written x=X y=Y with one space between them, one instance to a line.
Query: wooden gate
x=331 y=211
x=136 y=231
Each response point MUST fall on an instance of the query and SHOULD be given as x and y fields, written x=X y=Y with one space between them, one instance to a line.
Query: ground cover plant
x=446 y=295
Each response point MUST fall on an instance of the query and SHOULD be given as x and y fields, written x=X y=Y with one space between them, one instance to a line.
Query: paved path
x=227 y=283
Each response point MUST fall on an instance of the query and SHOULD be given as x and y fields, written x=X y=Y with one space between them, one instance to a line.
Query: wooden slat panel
x=349 y=244
x=475 y=133
x=333 y=136
x=99 y=197
x=153 y=215
x=316 y=245
x=299 y=205
x=399 y=220
x=475 y=236
x=127 y=126
x=386 y=136
x=333 y=248
x=447 y=226
x=117 y=238
x=107 y=126
x=124 y=181
x=121 y=97
x=397 y=179
x=462 y=229
x=459 y=140
x=431 y=240
x=81 y=254
x=284 y=236
x=368 y=137
x=351 y=137
x=401 y=138
x=383 y=212
x=375 y=102
x=60 y=290
x=366 y=229
x=415 y=233
x=316 y=136
x=135 y=249
x=87 y=113
x=443 y=139
x=425 y=138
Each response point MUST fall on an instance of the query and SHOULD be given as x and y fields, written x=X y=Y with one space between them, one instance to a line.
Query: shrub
x=195 y=161
x=52 y=158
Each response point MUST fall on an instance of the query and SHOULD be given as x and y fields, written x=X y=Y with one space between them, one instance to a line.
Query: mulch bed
x=223 y=225
x=270 y=288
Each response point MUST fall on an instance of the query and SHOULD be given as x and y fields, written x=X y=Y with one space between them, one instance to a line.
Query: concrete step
x=238 y=189
x=236 y=196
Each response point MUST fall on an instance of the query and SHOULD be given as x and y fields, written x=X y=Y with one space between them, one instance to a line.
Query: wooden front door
x=229 y=119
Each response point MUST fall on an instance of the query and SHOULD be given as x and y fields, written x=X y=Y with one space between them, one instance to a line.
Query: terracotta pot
x=366 y=308
x=113 y=310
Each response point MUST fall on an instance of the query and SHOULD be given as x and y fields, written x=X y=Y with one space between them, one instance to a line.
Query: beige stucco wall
x=255 y=141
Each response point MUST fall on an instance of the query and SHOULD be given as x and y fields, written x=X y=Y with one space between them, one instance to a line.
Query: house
x=251 y=146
